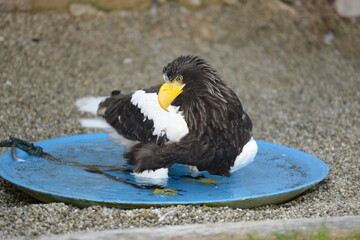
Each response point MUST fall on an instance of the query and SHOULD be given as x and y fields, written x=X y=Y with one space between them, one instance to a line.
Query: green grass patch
x=322 y=234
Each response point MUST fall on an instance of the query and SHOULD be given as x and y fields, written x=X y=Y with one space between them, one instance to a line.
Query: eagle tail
x=90 y=105
x=93 y=105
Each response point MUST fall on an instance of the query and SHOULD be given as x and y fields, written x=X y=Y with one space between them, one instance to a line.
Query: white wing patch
x=172 y=123
x=246 y=156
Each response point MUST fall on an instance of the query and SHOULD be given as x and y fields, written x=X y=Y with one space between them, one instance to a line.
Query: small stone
x=8 y=83
x=328 y=38
x=127 y=61
x=211 y=2
x=298 y=3
x=84 y=10
x=277 y=5
x=348 y=8
x=161 y=2
x=191 y=4
x=170 y=213
x=231 y=2
x=124 y=4
x=2 y=38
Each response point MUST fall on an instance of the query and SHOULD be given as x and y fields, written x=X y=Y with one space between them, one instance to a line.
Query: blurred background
x=53 y=52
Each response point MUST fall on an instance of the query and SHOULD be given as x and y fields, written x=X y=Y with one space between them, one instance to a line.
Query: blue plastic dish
x=93 y=171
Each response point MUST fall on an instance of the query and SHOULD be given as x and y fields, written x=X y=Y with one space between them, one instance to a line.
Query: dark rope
x=28 y=147
x=31 y=149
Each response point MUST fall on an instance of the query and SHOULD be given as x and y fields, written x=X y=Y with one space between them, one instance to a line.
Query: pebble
x=348 y=8
x=328 y=38
x=127 y=60
x=298 y=91
x=84 y=10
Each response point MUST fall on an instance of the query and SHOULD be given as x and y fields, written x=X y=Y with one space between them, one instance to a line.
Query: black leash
x=38 y=151
x=28 y=147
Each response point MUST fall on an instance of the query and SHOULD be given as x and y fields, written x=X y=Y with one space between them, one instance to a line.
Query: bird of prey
x=193 y=118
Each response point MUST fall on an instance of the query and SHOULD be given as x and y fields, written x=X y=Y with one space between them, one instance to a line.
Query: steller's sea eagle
x=193 y=118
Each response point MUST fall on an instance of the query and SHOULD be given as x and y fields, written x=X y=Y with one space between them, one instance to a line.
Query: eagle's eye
x=178 y=79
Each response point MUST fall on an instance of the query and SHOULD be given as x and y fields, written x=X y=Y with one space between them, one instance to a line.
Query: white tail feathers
x=89 y=104
x=94 y=123
x=246 y=156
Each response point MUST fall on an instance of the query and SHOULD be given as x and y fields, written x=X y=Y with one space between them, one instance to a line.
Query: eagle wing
x=129 y=120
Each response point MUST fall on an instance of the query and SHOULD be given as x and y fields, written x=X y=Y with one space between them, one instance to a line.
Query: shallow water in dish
x=92 y=169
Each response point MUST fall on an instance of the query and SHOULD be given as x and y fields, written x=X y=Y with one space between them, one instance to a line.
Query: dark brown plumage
x=218 y=127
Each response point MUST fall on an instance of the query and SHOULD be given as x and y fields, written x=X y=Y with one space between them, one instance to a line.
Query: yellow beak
x=169 y=91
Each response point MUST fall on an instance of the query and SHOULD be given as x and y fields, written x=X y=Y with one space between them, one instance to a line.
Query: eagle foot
x=147 y=159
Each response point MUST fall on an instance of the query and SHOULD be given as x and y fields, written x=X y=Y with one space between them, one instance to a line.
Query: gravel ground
x=296 y=71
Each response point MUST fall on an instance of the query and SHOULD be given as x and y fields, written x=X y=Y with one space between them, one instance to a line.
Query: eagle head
x=188 y=75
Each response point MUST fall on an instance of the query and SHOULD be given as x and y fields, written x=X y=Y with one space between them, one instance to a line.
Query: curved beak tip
x=167 y=94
